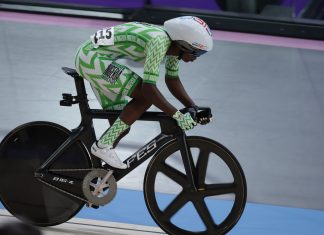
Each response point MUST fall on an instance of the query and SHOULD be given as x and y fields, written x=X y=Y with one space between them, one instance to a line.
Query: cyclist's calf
x=133 y=110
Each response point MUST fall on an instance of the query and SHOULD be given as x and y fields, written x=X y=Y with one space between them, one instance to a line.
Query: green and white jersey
x=139 y=42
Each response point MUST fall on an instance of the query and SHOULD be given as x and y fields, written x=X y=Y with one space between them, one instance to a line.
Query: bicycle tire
x=22 y=152
x=164 y=215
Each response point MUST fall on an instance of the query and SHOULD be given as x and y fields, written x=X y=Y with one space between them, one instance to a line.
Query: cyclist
x=182 y=38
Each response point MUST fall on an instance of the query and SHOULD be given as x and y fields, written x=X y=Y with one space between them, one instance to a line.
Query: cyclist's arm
x=176 y=88
x=174 y=83
x=155 y=52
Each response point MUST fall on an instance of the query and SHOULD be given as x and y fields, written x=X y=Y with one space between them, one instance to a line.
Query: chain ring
x=106 y=194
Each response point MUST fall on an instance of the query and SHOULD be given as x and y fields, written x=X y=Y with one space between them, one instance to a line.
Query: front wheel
x=216 y=202
x=22 y=152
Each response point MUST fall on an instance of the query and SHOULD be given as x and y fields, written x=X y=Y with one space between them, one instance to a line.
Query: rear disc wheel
x=22 y=152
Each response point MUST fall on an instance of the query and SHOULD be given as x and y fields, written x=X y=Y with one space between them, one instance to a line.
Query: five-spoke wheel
x=208 y=188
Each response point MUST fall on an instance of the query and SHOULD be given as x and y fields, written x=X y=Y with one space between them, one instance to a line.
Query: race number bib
x=103 y=37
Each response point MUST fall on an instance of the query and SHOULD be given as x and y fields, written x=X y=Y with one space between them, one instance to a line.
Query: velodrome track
x=270 y=116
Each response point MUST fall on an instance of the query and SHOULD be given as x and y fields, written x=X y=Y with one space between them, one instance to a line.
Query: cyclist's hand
x=185 y=121
x=204 y=117
x=192 y=110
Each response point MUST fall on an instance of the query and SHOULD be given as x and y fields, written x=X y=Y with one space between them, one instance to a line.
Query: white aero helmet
x=190 y=33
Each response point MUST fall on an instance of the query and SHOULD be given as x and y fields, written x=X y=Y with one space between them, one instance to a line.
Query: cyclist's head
x=191 y=34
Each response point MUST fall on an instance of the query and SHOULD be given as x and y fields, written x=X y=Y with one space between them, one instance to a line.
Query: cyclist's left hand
x=185 y=121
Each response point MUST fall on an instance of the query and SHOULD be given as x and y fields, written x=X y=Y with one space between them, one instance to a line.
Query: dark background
x=291 y=18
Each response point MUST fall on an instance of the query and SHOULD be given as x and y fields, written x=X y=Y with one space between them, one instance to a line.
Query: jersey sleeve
x=172 y=66
x=155 y=51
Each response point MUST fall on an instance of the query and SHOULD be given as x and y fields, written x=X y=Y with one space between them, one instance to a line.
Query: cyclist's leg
x=131 y=82
x=112 y=82
x=122 y=135
x=91 y=66
x=108 y=87
x=132 y=111
x=107 y=104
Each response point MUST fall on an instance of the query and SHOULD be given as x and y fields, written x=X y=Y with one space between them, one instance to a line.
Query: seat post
x=82 y=98
x=85 y=130
x=88 y=136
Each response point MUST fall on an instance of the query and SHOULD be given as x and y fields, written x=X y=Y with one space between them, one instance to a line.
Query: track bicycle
x=47 y=173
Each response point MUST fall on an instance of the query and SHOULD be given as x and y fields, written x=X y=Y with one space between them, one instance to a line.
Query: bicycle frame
x=71 y=177
x=85 y=132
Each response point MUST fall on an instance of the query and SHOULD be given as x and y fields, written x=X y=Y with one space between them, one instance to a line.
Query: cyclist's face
x=188 y=57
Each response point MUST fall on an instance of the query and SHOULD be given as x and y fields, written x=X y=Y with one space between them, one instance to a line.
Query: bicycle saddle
x=71 y=72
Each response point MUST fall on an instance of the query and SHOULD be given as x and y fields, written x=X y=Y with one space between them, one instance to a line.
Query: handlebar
x=198 y=113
